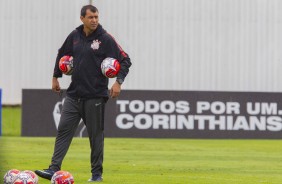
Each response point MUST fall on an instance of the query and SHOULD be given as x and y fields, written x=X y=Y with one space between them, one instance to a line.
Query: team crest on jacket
x=95 y=45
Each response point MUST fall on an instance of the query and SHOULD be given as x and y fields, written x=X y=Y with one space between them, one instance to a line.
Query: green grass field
x=11 y=121
x=150 y=161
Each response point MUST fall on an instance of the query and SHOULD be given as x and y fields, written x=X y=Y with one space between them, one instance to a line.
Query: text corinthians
x=201 y=115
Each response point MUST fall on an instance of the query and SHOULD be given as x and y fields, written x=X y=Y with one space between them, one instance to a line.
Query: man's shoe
x=45 y=173
x=96 y=178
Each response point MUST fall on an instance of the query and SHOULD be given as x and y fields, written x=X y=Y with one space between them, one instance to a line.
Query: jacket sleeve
x=114 y=50
x=66 y=49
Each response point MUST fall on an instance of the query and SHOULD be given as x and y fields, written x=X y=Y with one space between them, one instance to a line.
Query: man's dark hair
x=87 y=7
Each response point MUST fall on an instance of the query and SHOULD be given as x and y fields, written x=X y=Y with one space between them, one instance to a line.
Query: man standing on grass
x=89 y=44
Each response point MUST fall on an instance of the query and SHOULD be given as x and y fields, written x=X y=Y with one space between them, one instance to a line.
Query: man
x=87 y=94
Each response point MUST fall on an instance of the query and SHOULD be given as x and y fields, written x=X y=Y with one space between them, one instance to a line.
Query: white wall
x=219 y=45
x=31 y=32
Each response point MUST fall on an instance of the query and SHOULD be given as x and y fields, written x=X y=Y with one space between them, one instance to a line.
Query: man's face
x=91 y=20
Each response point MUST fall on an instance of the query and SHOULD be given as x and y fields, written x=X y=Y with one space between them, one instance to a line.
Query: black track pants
x=92 y=113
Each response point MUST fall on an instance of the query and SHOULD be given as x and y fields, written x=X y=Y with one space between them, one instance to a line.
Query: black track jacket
x=88 y=53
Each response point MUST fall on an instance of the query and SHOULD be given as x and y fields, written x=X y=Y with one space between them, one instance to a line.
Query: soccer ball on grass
x=33 y=175
x=10 y=176
x=24 y=178
x=62 y=177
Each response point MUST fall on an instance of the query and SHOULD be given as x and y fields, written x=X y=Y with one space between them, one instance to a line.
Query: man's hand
x=55 y=85
x=115 y=90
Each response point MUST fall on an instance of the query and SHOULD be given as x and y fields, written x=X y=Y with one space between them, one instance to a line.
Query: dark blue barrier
x=166 y=114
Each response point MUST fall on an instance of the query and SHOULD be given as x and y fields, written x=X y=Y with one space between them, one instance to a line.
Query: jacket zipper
x=82 y=51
